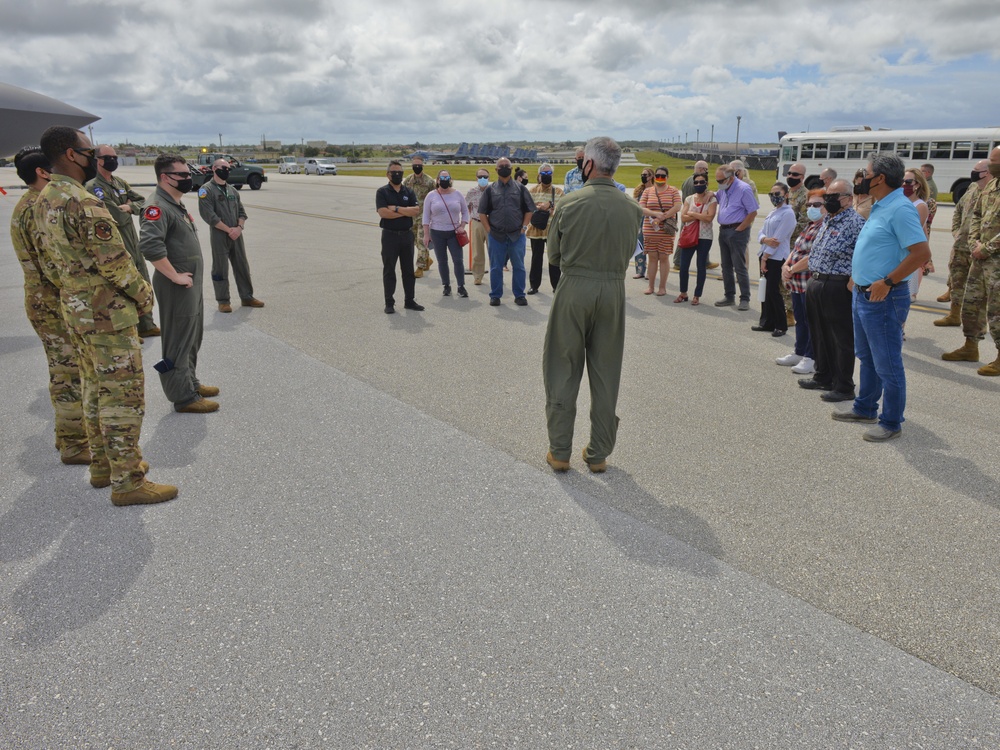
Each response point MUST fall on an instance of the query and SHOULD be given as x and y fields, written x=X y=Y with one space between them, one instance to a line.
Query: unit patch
x=103 y=230
x=99 y=192
x=152 y=213
x=202 y=192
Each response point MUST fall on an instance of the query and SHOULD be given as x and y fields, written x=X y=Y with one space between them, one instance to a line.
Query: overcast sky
x=442 y=71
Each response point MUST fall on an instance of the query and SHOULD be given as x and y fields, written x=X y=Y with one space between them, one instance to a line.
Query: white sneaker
x=789 y=359
x=805 y=367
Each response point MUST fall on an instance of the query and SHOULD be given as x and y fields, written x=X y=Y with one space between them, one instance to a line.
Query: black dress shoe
x=813 y=385
x=412 y=305
x=760 y=328
x=494 y=302
x=835 y=396
x=532 y=291
x=520 y=301
x=389 y=309
x=777 y=334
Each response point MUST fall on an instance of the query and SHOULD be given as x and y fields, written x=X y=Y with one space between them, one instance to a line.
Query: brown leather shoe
x=154 y=331
x=555 y=463
x=103 y=478
x=201 y=406
x=207 y=390
x=225 y=307
x=251 y=302
x=80 y=459
x=145 y=494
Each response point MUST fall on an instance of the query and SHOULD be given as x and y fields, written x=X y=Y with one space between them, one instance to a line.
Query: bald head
x=701 y=167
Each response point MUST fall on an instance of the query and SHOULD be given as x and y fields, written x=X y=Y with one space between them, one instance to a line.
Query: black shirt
x=386 y=197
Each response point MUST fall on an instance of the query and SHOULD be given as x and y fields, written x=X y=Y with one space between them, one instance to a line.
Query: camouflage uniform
x=421 y=184
x=958 y=266
x=222 y=203
x=41 y=303
x=116 y=193
x=102 y=295
x=982 y=290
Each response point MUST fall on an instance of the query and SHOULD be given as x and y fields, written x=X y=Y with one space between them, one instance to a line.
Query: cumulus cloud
x=478 y=70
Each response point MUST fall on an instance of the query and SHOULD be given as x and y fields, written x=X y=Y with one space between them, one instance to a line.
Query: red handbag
x=690 y=235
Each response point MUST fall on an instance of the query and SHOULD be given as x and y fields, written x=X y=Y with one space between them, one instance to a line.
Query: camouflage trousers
x=981 y=306
x=958 y=272
x=114 y=403
x=64 y=384
x=146 y=322
x=418 y=242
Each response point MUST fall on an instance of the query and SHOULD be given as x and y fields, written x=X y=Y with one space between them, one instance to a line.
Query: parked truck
x=239 y=175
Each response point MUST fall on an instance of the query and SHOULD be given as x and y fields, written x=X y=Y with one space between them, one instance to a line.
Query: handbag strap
x=447 y=210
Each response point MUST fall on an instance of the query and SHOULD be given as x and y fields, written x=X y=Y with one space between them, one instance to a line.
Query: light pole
x=712 y=146
x=738 y=118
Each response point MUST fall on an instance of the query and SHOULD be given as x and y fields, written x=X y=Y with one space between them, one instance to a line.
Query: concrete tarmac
x=369 y=551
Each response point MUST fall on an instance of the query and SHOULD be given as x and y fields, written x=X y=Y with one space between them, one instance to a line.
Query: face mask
x=579 y=163
x=445 y=184
x=503 y=171
x=396 y=178
x=184 y=185
x=794 y=181
x=723 y=183
x=483 y=181
x=864 y=188
x=89 y=171
x=418 y=168
x=645 y=178
x=907 y=190
x=524 y=180
x=815 y=213
x=222 y=173
x=584 y=175
x=976 y=176
x=994 y=170
x=832 y=204
x=546 y=179
x=660 y=180
x=859 y=188
x=110 y=163
x=777 y=200
x=700 y=188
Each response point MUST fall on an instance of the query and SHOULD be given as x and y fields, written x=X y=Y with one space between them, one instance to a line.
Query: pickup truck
x=239 y=175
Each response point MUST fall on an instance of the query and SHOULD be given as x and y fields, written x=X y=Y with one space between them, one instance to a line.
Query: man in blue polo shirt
x=891 y=246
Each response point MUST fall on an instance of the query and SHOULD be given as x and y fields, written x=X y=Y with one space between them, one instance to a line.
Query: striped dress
x=655 y=239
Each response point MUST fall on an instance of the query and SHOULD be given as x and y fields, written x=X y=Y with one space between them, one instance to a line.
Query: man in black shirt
x=397 y=205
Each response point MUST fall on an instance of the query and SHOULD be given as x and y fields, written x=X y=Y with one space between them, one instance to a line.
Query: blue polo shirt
x=892 y=227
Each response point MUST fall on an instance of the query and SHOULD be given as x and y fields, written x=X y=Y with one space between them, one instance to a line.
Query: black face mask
x=832 y=204
x=184 y=185
x=863 y=187
x=89 y=171
x=859 y=189
x=794 y=181
x=445 y=184
x=579 y=163
x=700 y=188
x=524 y=180
x=976 y=176
x=503 y=171
x=546 y=179
x=645 y=178
x=110 y=163
x=583 y=172
x=418 y=168
x=222 y=173
x=396 y=178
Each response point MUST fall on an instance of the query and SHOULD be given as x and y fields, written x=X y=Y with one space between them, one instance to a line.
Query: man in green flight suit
x=169 y=240
x=122 y=203
x=102 y=296
x=220 y=206
x=592 y=240
x=41 y=303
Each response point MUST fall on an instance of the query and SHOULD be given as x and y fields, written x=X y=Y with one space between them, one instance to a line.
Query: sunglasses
x=178 y=174
x=794 y=174
x=815 y=205
x=88 y=152
x=777 y=195
x=700 y=182
x=661 y=177
x=908 y=182
x=548 y=171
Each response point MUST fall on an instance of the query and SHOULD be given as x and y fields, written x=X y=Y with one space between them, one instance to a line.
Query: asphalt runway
x=369 y=551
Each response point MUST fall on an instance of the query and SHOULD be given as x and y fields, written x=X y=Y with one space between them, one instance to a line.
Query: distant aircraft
x=25 y=115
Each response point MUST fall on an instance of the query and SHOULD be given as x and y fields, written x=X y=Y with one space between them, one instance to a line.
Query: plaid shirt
x=797 y=282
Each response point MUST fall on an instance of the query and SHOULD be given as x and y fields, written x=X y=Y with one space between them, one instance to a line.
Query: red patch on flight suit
x=152 y=213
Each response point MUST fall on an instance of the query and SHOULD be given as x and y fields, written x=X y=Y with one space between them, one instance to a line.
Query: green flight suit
x=102 y=295
x=591 y=239
x=41 y=303
x=222 y=203
x=167 y=230
x=116 y=193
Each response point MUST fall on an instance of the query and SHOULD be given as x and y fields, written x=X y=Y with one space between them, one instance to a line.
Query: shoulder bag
x=460 y=234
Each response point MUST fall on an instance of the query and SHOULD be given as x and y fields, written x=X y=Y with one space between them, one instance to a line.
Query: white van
x=289 y=165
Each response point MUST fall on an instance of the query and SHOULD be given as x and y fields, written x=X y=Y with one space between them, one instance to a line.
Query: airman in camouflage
x=122 y=203
x=421 y=184
x=41 y=303
x=961 y=260
x=102 y=295
x=982 y=290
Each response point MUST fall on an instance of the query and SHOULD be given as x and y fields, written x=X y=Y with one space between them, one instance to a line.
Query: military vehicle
x=239 y=175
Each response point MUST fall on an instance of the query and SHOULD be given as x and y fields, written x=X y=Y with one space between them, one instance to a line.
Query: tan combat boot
x=953 y=318
x=201 y=406
x=555 y=463
x=992 y=369
x=146 y=493
x=968 y=352
x=946 y=297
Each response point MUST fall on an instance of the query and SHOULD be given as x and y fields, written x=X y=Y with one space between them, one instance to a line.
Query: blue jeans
x=878 y=345
x=803 y=341
x=500 y=252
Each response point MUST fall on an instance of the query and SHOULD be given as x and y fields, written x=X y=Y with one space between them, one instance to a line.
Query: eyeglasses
x=88 y=152
x=178 y=174
x=838 y=196
x=815 y=205
x=794 y=174
x=908 y=182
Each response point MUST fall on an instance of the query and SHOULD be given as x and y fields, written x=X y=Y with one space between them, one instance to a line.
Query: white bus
x=952 y=152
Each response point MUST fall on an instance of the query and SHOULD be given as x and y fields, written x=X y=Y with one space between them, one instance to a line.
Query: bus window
x=854 y=151
x=807 y=151
x=941 y=150
x=838 y=150
x=980 y=150
x=820 y=151
x=887 y=146
x=920 y=150
x=961 y=150
x=788 y=153
x=903 y=150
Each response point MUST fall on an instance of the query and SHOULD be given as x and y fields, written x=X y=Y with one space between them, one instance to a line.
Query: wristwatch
x=888 y=282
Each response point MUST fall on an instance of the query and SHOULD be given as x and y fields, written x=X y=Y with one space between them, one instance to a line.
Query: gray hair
x=545 y=165
x=605 y=153
x=889 y=166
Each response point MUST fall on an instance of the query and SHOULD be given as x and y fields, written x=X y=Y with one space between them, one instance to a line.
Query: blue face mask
x=815 y=213
x=483 y=181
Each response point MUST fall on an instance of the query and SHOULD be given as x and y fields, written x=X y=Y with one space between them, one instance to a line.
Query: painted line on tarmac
x=325 y=217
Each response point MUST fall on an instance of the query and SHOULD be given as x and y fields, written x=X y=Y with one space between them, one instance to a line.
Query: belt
x=831 y=277
x=398 y=231
x=730 y=226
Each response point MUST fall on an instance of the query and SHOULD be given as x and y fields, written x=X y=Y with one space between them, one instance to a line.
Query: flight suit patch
x=102 y=230
x=152 y=213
